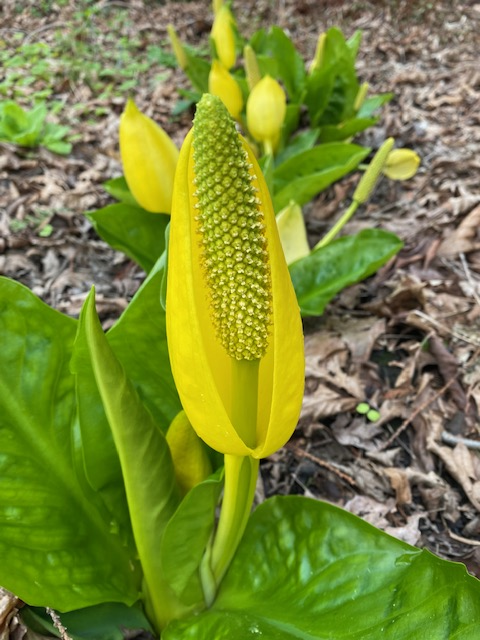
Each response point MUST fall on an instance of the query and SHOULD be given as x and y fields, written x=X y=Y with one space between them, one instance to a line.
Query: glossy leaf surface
x=306 y=174
x=307 y=569
x=317 y=278
x=138 y=233
x=56 y=542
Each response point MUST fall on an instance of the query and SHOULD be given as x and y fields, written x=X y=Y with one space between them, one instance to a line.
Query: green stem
x=240 y=479
x=337 y=227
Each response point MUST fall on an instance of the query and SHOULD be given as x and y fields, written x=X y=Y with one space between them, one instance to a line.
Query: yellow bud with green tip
x=361 y=95
x=318 y=57
x=374 y=170
x=224 y=86
x=401 y=164
x=231 y=307
x=266 y=110
x=223 y=36
x=149 y=158
x=189 y=457
x=293 y=234
x=177 y=47
x=252 y=70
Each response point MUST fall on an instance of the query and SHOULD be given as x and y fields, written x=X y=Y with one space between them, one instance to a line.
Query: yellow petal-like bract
x=401 y=164
x=149 y=159
x=189 y=457
x=224 y=37
x=293 y=234
x=221 y=200
x=266 y=109
x=224 y=86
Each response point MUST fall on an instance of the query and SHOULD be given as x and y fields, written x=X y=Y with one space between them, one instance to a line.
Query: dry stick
x=449 y=438
x=323 y=463
x=58 y=624
x=418 y=410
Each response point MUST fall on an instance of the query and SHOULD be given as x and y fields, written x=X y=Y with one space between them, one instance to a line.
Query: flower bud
x=401 y=164
x=224 y=37
x=149 y=159
x=266 y=109
x=293 y=235
x=224 y=86
x=369 y=179
x=189 y=457
x=251 y=67
x=177 y=47
x=318 y=57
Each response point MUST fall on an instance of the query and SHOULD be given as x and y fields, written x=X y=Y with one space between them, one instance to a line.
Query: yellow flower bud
x=266 y=109
x=318 y=57
x=251 y=67
x=233 y=321
x=361 y=95
x=224 y=86
x=224 y=37
x=149 y=158
x=189 y=457
x=401 y=164
x=177 y=47
x=293 y=235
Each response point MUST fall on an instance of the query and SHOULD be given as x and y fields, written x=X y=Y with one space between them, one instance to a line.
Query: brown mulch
x=406 y=341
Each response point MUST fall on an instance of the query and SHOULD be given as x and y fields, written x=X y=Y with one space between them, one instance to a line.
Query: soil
x=406 y=341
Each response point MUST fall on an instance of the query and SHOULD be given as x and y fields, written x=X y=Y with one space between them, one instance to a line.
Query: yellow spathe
x=149 y=158
x=201 y=366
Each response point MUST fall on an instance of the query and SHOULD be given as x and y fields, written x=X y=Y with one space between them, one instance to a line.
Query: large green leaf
x=57 y=546
x=318 y=277
x=346 y=129
x=138 y=233
x=309 y=570
x=186 y=537
x=304 y=175
x=139 y=341
x=147 y=467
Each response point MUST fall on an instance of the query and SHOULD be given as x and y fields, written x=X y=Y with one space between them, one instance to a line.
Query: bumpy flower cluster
x=230 y=223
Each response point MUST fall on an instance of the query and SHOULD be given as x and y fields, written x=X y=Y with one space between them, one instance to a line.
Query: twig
x=45 y=27
x=418 y=410
x=454 y=536
x=58 y=624
x=323 y=463
x=449 y=438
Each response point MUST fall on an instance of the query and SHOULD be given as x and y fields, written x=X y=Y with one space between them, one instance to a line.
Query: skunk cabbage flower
x=232 y=315
x=149 y=160
x=252 y=70
x=266 y=109
x=224 y=37
x=224 y=85
x=401 y=164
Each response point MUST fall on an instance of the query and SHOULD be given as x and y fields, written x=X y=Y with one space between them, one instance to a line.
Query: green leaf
x=118 y=189
x=289 y=63
x=197 y=71
x=186 y=537
x=106 y=621
x=301 y=142
x=307 y=569
x=139 y=341
x=56 y=542
x=138 y=233
x=346 y=129
x=372 y=104
x=303 y=176
x=333 y=87
x=147 y=468
x=317 y=278
x=57 y=146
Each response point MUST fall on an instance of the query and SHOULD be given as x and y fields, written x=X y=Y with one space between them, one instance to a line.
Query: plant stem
x=240 y=479
x=337 y=227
